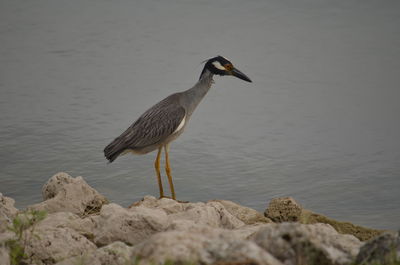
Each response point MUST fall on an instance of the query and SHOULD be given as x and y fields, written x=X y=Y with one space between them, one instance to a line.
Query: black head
x=221 y=66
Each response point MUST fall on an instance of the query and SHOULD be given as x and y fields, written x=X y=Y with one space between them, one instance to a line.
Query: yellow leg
x=157 y=166
x=168 y=171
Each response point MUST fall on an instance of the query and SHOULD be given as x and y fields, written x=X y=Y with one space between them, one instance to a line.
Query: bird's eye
x=228 y=67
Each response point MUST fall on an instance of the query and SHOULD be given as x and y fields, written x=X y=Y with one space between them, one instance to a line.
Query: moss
x=362 y=233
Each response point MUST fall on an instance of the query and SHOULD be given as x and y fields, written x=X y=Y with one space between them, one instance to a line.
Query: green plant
x=23 y=222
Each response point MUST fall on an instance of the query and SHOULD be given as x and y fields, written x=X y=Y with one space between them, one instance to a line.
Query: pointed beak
x=238 y=74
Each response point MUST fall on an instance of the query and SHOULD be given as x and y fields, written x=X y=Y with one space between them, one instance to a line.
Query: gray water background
x=320 y=122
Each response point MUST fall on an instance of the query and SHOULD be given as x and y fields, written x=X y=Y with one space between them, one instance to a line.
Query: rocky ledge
x=77 y=225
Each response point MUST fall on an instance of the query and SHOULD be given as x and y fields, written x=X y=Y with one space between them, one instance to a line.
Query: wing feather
x=155 y=125
x=152 y=127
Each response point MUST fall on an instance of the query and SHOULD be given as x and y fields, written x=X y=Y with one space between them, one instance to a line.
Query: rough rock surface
x=283 y=210
x=294 y=243
x=4 y=256
x=383 y=249
x=288 y=210
x=80 y=228
x=246 y=215
x=167 y=205
x=49 y=244
x=131 y=226
x=83 y=226
x=7 y=212
x=212 y=214
x=116 y=253
x=205 y=246
x=65 y=193
x=362 y=233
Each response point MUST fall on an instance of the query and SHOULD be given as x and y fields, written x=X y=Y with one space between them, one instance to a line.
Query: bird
x=157 y=127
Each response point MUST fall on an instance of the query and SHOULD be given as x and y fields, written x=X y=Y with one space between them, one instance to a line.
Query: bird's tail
x=113 y=150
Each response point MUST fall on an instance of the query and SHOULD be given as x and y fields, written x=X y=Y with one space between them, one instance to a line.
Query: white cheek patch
x=218 y=65
x=180 y=126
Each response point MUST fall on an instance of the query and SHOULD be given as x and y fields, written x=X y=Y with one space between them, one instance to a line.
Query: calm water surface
x=320 y=122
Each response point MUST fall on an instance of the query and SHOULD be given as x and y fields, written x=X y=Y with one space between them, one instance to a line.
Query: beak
x=238 y=74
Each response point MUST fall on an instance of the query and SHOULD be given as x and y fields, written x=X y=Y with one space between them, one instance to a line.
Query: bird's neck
x=194 y=95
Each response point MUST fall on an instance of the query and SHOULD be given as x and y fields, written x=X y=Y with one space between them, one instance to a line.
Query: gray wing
x=156 y=124
x=153 y=127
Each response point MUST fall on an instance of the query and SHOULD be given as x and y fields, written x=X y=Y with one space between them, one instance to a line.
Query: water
x=320 y=122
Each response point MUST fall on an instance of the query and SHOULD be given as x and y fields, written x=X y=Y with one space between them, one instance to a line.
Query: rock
x=284 y=209
x=246 y=215
x=384 y=249
x=178 y=246
x=63 y=193
x=4 y=237
x=4 y=250
x=205 y=246
x=116 y=253
x=168 y=205
x=84 y=226
x=362 y=233
x=4 y=256
x=245 y=232
x=226 y=219
x=226 y=208
x=7 y=212
x=212 y=214
x=240 y=252
x=48 y=245
x=319 y=244
x=217 y=232
x=127 y=225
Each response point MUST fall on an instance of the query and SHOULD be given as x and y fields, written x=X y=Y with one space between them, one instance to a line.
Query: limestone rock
x=168 y=205
x=362 y=233
x=116 y=253
x=246 y=215
x=224 y=214
x=217 y=232
x=4 y=256
x=205 y=246
x=228 y=220
x=286 y=209
x=63 y=193
x=383 y=250
x=47 y=245
x=131 y=226
x=179 y=246
x=240 y=252
x=294 y=243
x=83 y=226
x=216 y=213
x=283 y=210
x=212 y=214
x=7 y=212
x=245 y=232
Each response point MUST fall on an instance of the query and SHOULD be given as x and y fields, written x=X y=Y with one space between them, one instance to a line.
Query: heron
x=156 y=128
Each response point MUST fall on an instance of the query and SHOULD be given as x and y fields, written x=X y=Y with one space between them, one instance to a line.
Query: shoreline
x=74 y=223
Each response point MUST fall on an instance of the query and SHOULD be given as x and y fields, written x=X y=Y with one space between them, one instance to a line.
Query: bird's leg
x=168 y=171
x=157 y=166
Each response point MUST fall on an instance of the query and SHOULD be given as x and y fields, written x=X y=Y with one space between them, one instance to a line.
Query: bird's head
x=222 y=66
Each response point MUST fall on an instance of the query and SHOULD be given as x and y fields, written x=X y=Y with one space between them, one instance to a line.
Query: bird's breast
x=180 y=126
